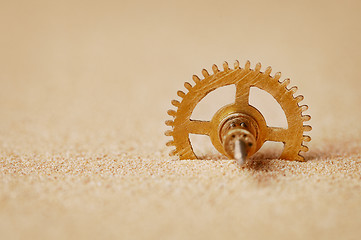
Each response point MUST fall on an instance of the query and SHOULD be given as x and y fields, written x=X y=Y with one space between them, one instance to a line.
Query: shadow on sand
x=262 y=161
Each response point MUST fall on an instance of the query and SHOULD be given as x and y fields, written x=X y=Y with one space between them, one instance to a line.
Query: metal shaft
x=240 y=152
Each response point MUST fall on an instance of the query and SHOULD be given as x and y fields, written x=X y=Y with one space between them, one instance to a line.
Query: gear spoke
x=199 y=127
x=242 y=93
x=277 y=134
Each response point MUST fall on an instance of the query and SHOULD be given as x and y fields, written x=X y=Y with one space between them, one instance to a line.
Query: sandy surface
x=83 y=97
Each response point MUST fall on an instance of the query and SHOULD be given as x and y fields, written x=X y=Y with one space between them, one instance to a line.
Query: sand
x=84 y=90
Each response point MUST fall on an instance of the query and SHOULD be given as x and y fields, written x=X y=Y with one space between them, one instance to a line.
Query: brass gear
x=243 y=78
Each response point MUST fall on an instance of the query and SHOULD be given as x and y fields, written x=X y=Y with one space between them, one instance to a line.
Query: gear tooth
x=173 y=153
x=215 y=69
x=225 y=66
x=185 y=153
x=196 y=79
x=168 y=133
x=306 y=118
x=172 y=113
x=188 y=86
x=247 y=66
x=303 y=108
x=299 y=158
x=175 y=103
x=285 y=82
x=304 y=148
x=293 y=89
x=306 y=138
x=268 y=71
x=299 y=98
x=307 y=128
x=236 y=64
x=258 y=67
x=181 y=94
x=170 y=143
x=169 y=123
x=205 y=73
x=277 y=76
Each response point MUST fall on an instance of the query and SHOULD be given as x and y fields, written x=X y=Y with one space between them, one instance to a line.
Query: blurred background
x=68 y=66
x=95 y=78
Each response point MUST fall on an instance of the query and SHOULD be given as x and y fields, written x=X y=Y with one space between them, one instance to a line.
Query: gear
x=243 y=78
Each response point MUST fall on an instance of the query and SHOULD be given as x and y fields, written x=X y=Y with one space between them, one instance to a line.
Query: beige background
x=84 y=89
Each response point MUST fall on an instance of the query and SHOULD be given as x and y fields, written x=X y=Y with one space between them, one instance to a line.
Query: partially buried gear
x=238 y=130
